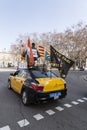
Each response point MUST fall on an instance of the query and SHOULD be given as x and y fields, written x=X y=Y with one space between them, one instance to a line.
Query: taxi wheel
x=9 y=84
x=25 y=98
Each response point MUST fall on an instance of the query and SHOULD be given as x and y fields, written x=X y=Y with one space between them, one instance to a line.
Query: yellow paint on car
x=51 y=84
x=17 y=83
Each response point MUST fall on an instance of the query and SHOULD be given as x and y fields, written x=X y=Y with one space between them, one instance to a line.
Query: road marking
x=38 y=116
x=5 y=128
x=84 y=98
x=59 y=108
x=74 y=102
x=80 y=100
x=23 y=123
x=67 y=105
x=50 y=112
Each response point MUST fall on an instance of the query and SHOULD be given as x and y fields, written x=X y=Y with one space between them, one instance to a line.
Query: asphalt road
x=69 y=113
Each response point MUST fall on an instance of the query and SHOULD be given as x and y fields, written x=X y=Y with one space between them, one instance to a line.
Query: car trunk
x=51 y=84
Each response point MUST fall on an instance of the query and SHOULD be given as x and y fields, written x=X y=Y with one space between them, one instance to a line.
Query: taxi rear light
x=37 y=86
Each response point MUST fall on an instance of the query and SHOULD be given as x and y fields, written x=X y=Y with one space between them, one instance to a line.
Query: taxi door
x=18 y=84
x=18 y=80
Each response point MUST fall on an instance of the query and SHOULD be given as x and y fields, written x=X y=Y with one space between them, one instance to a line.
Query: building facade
x=8 y=59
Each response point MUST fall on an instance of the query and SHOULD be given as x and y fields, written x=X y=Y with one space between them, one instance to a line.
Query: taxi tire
x=25 y=98
x=9 y=84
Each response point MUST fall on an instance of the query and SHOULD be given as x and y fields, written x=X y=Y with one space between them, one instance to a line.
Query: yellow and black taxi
x=36 y=86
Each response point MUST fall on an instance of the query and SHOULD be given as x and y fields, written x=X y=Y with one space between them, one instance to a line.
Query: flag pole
x=30 y=58
x=50 y=56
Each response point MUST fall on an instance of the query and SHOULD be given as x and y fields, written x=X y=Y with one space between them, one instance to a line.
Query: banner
x=30 y=58
x=60 y=61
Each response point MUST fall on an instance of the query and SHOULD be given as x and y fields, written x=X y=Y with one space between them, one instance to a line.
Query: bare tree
x=72 y=42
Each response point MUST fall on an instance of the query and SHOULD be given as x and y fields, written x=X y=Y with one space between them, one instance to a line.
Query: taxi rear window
x=38 y=74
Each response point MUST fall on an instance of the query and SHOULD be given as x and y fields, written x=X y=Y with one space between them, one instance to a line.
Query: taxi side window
x=20 y=74
x=28 y=75
x=23 y=74
x=16 y=73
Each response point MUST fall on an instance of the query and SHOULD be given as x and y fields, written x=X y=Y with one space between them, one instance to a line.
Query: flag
x=47 y=54
x=30 y=58
x=41 y=50
x=60 y=61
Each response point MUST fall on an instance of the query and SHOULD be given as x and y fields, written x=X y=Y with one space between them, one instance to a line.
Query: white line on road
x=84 y=98
x=59 y=108
x=38 y=116
x=23 y=123
x=74 y=102
x=80 y=100
x=67 y=105
x=50 y=112
x=5 y=128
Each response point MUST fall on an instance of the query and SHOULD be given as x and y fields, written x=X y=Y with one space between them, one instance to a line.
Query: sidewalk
x=7 y=69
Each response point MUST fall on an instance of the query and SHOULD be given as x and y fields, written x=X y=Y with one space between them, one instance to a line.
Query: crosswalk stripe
x=59 y=108
x=67 y=105
x=74 y=102
x=80 y=100
x=38 y=116
x=23 y=123
x=5 y=128
x=84 y=98
x=50 y=112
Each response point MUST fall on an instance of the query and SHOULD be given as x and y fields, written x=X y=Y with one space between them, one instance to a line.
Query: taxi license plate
x=57 y=94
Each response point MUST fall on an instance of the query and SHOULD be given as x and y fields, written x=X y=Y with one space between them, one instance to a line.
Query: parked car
x=81 y=69
x=37 y=86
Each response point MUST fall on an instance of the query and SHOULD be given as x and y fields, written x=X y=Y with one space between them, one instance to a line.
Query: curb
x=5 y=70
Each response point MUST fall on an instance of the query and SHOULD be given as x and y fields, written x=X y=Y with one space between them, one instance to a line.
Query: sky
x=40 y=16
